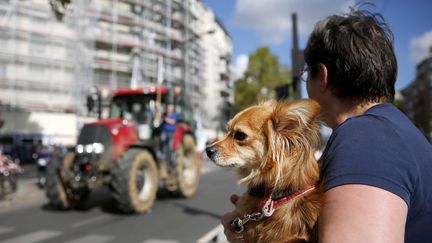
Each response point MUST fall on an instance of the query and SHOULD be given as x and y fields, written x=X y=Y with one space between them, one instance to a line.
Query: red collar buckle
x=268 y=208
x=268 y=205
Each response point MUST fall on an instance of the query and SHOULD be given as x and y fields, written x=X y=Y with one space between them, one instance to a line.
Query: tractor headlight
x=79 y=149
x=96 y=148
x=88 y=148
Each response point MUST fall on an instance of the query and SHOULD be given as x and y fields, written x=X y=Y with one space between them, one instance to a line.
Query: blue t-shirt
x=168 y=127
x=382 y=148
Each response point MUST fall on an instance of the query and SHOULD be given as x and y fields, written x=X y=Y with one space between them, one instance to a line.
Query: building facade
x=417 y=98
x=51 y=66
x=218 y=85
x=37 y=68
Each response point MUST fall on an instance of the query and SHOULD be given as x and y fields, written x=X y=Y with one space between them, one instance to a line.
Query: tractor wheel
x=187 y=168
x=55 y=187
x=135 y=181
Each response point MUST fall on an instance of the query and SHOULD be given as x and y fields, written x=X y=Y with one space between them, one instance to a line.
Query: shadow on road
x=196 y=211
x=100 y=198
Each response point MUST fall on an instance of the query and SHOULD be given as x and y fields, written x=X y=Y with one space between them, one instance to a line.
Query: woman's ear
x=322 y=77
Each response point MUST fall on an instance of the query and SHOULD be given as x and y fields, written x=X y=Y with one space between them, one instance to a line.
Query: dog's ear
x=294 y=117
x=272 y=144
x=291 y=128
x=292 y=136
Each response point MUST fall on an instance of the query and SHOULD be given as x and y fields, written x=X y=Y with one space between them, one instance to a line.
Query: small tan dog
x=272 y=148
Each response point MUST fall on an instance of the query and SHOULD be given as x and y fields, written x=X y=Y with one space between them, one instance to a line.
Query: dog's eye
x=240 y=136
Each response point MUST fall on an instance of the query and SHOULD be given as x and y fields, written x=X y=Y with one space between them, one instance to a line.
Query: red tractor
x=125 y=153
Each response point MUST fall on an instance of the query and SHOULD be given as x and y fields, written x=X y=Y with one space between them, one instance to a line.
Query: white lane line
x=214 y=235
x=160 y=241
x=93 y=239
x=89 y=221
x=5 y=229
x=33 y=237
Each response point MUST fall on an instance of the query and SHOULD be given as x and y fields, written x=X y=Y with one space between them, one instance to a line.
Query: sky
x=255 y=23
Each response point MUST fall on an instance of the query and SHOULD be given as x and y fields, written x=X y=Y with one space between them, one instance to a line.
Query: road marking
x=214 y=234
x=5 y=229
x=160 y=241
x=34 y=237
x=93 y=239
x=89 y=221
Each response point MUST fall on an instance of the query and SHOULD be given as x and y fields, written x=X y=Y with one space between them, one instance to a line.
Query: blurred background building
x=48 y=67
x=417 y=97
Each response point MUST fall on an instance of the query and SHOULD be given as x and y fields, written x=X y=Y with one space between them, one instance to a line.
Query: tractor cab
x=146 y=107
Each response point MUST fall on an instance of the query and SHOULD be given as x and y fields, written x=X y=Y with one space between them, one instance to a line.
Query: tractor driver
x=167 y=133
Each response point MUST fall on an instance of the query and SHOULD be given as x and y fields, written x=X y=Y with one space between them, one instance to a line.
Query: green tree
x=263 y=74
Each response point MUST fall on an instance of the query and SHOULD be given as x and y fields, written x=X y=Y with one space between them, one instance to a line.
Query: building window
x=137 y=9
x=37 y=48
x=37 y=72
x=42 y=20
x=2 y=69
x=37 y=45
x=4 y=43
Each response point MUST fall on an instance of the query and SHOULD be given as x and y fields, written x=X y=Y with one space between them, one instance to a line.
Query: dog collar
x=268 y=204
x=260 y=192
x=267 y=207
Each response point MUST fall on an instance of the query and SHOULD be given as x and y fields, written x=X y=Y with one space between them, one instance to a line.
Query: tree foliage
x=59 y=8
x=263 y=74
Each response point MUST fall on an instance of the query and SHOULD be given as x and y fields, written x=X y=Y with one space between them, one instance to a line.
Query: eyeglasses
x=304 y=74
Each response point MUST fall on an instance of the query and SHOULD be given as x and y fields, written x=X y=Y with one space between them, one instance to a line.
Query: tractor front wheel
x=135 y=181
x=60 y=196
x=187 y=168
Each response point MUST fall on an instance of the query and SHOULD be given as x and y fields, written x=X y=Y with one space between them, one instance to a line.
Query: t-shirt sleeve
x=367 y=151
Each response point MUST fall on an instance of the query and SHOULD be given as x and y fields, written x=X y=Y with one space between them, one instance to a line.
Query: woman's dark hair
x=357 y=49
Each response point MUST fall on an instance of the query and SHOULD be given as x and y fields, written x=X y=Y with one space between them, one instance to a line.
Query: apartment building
x=417 y=98
x=47 y=66
x=37 y=71
x=218 y=85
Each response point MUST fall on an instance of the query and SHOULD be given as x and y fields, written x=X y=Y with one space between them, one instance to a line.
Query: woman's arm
x=361 y=213
x=227 y=220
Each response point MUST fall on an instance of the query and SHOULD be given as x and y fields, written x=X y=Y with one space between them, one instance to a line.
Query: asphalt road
x=30 y=219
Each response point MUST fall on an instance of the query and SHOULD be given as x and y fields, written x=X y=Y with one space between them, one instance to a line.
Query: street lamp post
x=297 y=61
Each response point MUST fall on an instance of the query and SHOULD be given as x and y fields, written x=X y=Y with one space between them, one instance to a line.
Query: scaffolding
x=38 y=72
x=108 y=44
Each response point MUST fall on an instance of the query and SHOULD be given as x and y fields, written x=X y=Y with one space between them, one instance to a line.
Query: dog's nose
x=211 y=151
